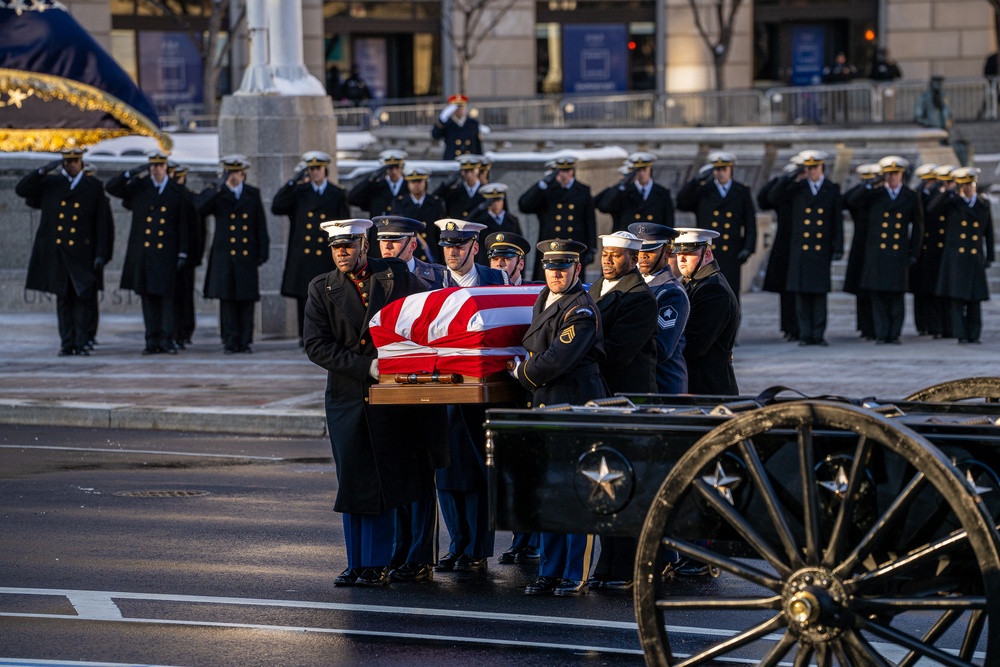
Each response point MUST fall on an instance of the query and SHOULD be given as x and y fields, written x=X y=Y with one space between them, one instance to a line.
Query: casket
x=451 y=345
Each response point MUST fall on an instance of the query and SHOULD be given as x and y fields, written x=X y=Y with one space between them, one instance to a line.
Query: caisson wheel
x=986 y=389
x=843 y=538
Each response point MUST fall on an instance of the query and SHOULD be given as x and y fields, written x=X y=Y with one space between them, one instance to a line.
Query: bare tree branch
x=478 y=19
x=719 y=48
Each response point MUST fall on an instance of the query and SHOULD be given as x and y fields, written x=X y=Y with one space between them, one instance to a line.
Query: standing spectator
x=308 y=199
x=354 y=89
x=71 y=245
x=884 y=68
x=158 y=245
x=817 y=240
x=840 y=71
x=565 y=210
x=636 y=198
x=240 y=245
x=460 y=133
x=933 y=109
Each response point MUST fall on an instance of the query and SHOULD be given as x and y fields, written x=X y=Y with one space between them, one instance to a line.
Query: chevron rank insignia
x=568 y=334
x=667 y=317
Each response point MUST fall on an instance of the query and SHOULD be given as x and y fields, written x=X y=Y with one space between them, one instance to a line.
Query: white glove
x=447 y=112
x=300 y=166
x=543 y=185
x=373 y=369
x=517 y=367
x=484 y=130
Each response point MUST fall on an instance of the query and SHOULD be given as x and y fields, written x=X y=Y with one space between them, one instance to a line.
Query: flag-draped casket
x=459 y=338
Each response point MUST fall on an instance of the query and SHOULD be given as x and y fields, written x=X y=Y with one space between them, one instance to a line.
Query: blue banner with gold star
x=58 y=87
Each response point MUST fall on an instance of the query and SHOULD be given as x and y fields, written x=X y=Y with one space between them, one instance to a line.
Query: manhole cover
x=164 y=493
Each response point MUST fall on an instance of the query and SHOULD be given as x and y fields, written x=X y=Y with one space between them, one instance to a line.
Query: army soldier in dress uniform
x=565 y=344
x=715 y=315
x=71 y=245
x=460 y=193
x=159 y=244
x=377 y=470
x=308 y=199
x=817 y=240
x=506 y=251
x=460 y=133
x=493 y=213
x=725 y=206
x=565 y=209
x=895 y=232
x=417 y=204
x=776 y=274
x=636 y=198
x=968 y=252
x=928 y=311
x=375 y=193
x=672 y=305
x=240 y=245
x=857 y=205
x=397 y=237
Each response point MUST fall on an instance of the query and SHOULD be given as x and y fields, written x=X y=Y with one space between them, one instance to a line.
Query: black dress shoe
x=373 y=577
x=509 y=557
x=81 y=352
x=467 y=563
x=527 y=555
x=180 y=345
x=246 y=350
x=596 y=582
x=230 y=350
x=66 y=352
x=346 y=578
x=542 y=586
x=446 y=564
x=151 y=350
x=171 y=350
x=821 y=342
x=572 y=588
x=618 y=585
x=412 y=572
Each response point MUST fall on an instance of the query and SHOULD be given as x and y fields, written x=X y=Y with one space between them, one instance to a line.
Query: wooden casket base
x=497 y=388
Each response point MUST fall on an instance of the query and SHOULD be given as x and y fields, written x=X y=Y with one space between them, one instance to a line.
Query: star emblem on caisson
x=838 y=485
x=972 y=482
x=603 y=478
x=723 y=482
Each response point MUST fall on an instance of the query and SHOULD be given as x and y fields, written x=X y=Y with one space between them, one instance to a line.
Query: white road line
x=95 y=606
x=145 y=451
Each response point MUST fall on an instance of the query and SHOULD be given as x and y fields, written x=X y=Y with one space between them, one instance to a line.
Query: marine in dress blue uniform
x=459 y=133
x=637 y=198
x=565 y=344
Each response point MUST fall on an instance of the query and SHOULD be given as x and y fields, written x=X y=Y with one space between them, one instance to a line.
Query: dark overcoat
x=776 y=273
x=711 y=333
x=924 y=274
x=240 y=243
x=733 y=216
x=510 y=224
x=374 y=195
x=852 y=202
x=159 y=234
x=895 y=231
x=457 y=202
x=563 y=213
x=458 y=139
x=379 y=464
x=628 y=313
x=626 y=206
x=968 y=247
x=817 y=233
x=72 y=232
x=307 y=255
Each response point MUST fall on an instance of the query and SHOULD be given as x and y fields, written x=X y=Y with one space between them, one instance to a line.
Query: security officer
x=672 y=305
x=159 y=244
x=377 y=471
x=493 y=213
x=460 y=133
x=636 y=198
x=240 y=244
x=565 y=209
x=415 y=203
x=460 y=192
x=928 y=311
x=628 y=313
x=817 y=240
x=506 y=251
x=715 y=315
x=565 y=344
x=725 y=206
x=184 y=319
x=854 y=201
x=895 y=233
x=397 y=237
x=968 y=252
x=376 y=192
x=71 y=245
x=776 y=274
x=307 y=199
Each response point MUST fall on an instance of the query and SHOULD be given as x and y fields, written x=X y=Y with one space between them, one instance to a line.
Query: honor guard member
x=459 y=133
x=628 y=314
x=493 y=213
x=894 y=235
x=601 y=201
x=415 y=203
x=184 y=317
x=817 y=240
x=71 y=245
x=928 y=311
x=565 y=344
x=506 y=252
x=776 y=273
x=565 y=209
x=714 y=319
x=377 y=470
x=108 y=220
x=240 y=244
x=725 y=206
x=376 y=192
x=672 y=305
x=636 y=198
x=308 y=198
x=968 y=252
x=159 y=244
x=460 y=193
x=856 y=204
x=486 y=164
x=397 y=237
x=459 y=246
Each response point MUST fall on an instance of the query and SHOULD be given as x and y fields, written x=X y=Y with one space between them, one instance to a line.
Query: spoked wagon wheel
x=984 y=388
x=845 y=539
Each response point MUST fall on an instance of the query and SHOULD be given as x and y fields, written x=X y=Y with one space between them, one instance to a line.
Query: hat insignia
x=499 y=237
x=641 y=229
x=554 y=245
x=451 y=226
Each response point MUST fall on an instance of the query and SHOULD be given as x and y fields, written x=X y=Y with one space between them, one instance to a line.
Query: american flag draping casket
x=464 y=335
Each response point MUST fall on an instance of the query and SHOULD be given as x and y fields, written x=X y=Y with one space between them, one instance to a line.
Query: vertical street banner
x=595 y=58
x=807 y=55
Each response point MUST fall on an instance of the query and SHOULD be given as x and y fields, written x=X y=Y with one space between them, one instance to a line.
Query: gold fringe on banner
x=18 y=85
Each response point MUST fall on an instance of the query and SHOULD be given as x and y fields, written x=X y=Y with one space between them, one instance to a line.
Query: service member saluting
x=637 y=198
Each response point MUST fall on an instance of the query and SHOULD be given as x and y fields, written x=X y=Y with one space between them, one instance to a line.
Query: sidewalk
x=278 y=392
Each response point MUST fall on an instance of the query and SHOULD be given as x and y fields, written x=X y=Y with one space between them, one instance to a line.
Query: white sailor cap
x=416 y=173
x=790 y=168
x=721 y=159
x=691 y=238
x=391 y=157
x=944 y=172
x=894 y=163
x=493 y=191
x=565 y=161
x=469 y=161
x=925 y=172
x=626 y=240
x=641 y=159
x=870 y=170
x=316 y=158
x=965 y=175
x=345 y=232
x=73 y=152
x=813 y=158
x=157 y=157
x=796 y=159
x=457 y=232
x=235 y=162
x=625 y=169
